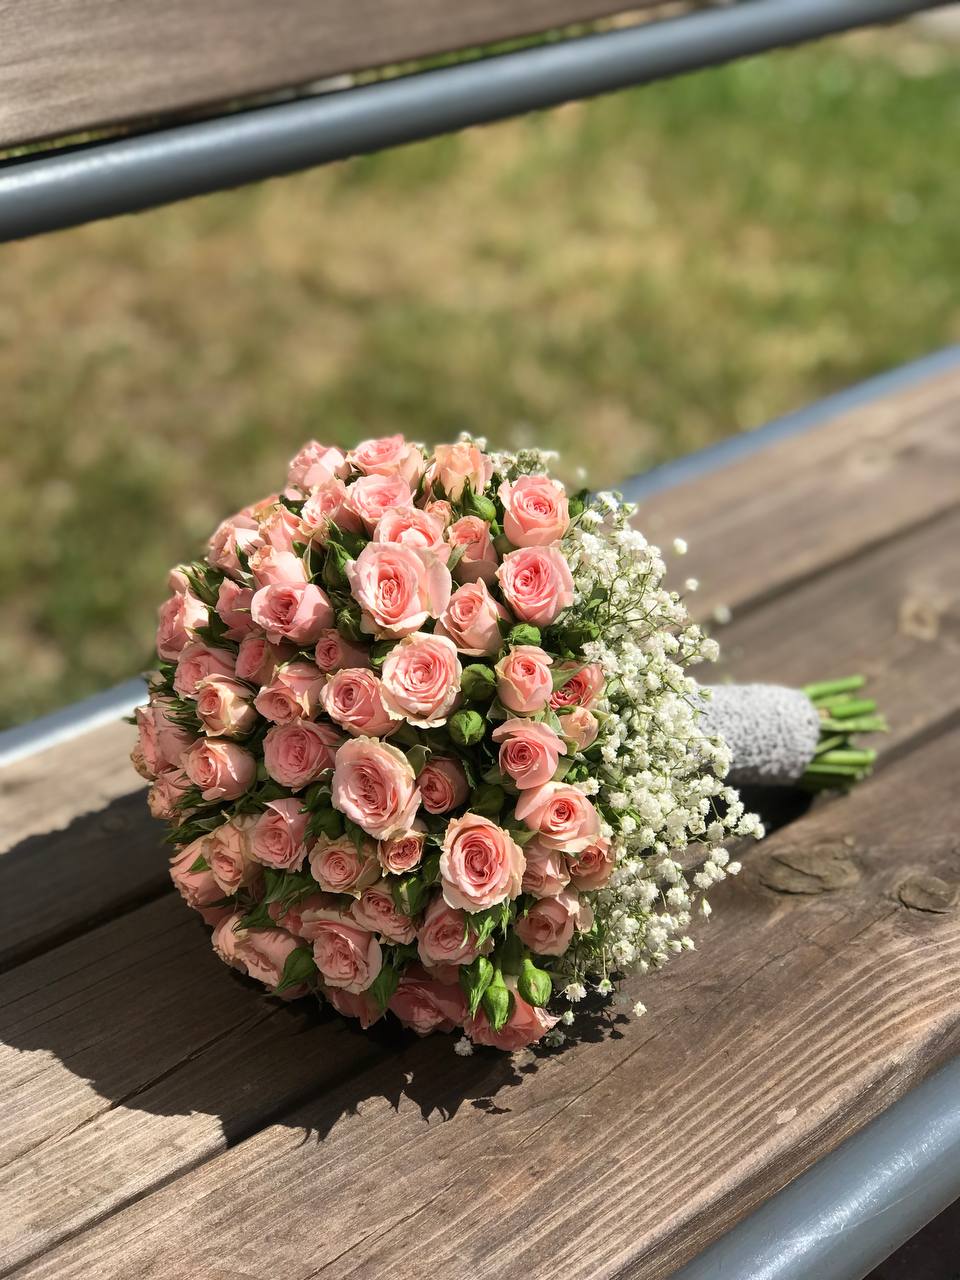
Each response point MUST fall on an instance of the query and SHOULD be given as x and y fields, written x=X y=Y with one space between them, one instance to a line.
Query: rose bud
x=224 y=707
x=443 y=784
x=579 y=727
x=478 y=683
x=467 y=728
x=525 y=683
x=221 y=769
x=479 y=559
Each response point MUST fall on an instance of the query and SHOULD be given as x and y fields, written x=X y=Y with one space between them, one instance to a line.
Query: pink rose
x=375 y=910
x=398 y=588
x=161 y=740
x=481 y=865
x=562 y=815
x=442 y=510
x=224 y=706
x=265 y=952
x=472 y=620
x=529 y=752
x=455 y=466
x=177 y=579
x=198 y=889
x=221 y=769
x=593 y=866
x=196 y=662
x=277 y=839
x=546 y=872
x=547 y=928
x=314 y=465
x=579 y=726
x=163 y=798
x=326 y=506
x=179 y=618
x=279 y=528
x=375 y=786
x=291 y=915
x=445 y=938
x=370 y=496
x=233 y=606
x=227 y=851
x=388 y=456
x=535 y=511
x=299 y=752
x=402 y=852
x=582 y=689
x=425 y=1005
x=411 y=527
x=443 y=784
x=226 y=941
x=421 y=679
x=347 y=956
x=333 y=652
x=258 y=659
x=295 y=612
x=355 y=699
x=240 y=534
x=273 y=568
x=524 y=682
x=352 y=1004
x=536 y=583
x=479 y=561
x=526 y=1025
x=338 y=867
x=293 y=694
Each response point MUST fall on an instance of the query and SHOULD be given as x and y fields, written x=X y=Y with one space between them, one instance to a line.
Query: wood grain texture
x=71 y=65
x=625 y=1155
x=78 y=1119
x=785 y=513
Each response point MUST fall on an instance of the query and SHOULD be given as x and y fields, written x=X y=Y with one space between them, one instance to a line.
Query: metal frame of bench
x=855 y=1206
x=63 y=189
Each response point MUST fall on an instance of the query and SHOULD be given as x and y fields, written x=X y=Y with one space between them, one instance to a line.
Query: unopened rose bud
x=467 y=727
x=524 y=633
x=534 y=984
x=478 y=683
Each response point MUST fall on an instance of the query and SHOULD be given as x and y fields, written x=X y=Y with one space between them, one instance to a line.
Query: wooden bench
x=163 y=1119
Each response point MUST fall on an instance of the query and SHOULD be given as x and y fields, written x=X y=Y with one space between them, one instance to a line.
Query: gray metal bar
x=124 y=175
x=857 y=1205
x=71 y=721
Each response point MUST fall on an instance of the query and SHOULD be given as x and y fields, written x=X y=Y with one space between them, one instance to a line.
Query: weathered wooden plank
x=784 y=513
x=626 y=1155
x=129 y=1055
x=70 y=65
x=68 y=1132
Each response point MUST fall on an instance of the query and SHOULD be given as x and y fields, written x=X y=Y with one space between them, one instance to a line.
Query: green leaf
x=510 y=953
x=418 y=756
x=497 y=1002
x=383 y=986
x=300 y=967
x=409 y=894
x=563 y=677
x=258 y=917
x=474 y=980
x=201 y=864
x=357 y=835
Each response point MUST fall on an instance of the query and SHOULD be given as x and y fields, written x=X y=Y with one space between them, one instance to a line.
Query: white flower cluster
x=659 y=780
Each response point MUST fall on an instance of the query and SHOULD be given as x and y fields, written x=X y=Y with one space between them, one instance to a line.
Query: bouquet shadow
x=140 y=1011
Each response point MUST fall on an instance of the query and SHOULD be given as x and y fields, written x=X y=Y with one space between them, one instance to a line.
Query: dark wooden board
x=627 y=1153
x=71 y=65
x=73 y=1124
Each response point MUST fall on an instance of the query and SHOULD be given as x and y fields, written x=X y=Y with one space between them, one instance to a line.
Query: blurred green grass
x=624 y=280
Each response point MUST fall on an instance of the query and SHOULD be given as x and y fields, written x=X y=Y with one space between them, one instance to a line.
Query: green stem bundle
x=837 y=762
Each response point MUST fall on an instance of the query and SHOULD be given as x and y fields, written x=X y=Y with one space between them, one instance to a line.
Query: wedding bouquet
x=423 y=731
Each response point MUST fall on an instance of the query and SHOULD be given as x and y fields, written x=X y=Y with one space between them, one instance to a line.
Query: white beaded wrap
x=771 y=731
